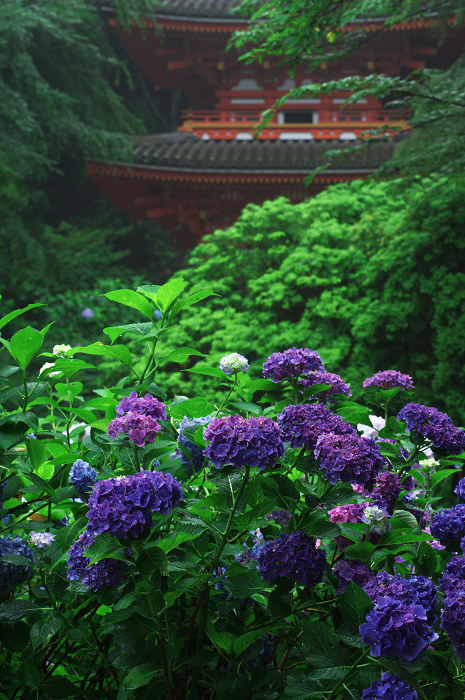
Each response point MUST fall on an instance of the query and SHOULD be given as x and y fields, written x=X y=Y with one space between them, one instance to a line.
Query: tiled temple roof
x=187 y=153
x=211 y=9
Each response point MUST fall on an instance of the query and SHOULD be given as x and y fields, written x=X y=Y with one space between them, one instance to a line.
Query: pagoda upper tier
x=200 y=178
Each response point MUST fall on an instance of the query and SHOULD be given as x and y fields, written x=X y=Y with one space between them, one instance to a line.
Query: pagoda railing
x=329 y=122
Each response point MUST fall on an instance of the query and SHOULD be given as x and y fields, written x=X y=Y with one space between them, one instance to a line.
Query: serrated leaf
x=139 y=676
x=128 y=297
x=208 y=372
x=406 y=518
x=119 y=352
x=355 y=604
x=171 y=542
x=192 y=299
x=169 y=292
x=197 y=407
x=13 y=314
x=25 y=344
x=361 y=551
x=114 y=332
x=42 y=630
x=105 y=547
x=17 y=609
x=438 y=476
x=181 y=355
x=245 y=640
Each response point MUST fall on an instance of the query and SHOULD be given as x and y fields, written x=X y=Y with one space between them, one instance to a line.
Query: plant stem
x=161 y=642
x=349 y=673
x=234 y=384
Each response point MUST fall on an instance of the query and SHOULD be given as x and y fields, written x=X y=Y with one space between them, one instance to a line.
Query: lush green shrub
x=370 y=273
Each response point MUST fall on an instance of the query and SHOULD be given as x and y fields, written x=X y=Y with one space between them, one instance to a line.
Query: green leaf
x=404 y=537
x=192 y=299
x=9 y=317
x=362 y=551
x=262 y=385
x=105 y=547
x=36 y=452
x=68 y=391
x=69 y=367
x=170 y=543
x=355 y=604
x=16 y=559
x=114 y=332
x=17 y=609
x=427 y=561
x=207 y=371
x=196 y=407
x=45 y=471
x=140 y=676
x=406 y=518
x=128 y=297
x=245 y=640
x=42 y=630
x=181 y=355
x=233 y=687
x=120 y=352
x=354 y=413
x=246 y=407
x=438 y=476
x=169 y=292
x=151 y=559
x=25 y=344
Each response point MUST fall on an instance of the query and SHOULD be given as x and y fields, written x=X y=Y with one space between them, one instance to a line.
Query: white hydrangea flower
x=371 y=431
x=376 y=518
x=41 y=539
x=234 y=363
x=46 y=366
x=61 y=350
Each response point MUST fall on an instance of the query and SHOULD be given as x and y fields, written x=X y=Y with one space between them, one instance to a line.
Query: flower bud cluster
x=13 y=574
x=82 y=477
x=390 y=379
x=349 y=458
x=293 y=556
x=336 y=385
x=303 y=424
x=238 y=441
x=435 y=426
x=291 y=364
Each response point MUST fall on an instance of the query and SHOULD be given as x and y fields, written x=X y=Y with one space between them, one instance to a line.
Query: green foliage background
x=369 y=273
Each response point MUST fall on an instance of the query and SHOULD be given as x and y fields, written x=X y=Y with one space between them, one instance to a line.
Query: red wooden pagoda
x=200 y=178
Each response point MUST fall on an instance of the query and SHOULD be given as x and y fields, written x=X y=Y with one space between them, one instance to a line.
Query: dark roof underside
x=186 y=152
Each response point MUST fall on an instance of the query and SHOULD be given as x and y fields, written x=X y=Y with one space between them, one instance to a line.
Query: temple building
x=200 y=177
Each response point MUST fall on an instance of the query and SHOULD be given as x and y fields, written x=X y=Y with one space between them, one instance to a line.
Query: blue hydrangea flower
x=453 y=618
x=106 y=572
x=194 y=459
x=349 y=458
x=390 y=379
x=281 y=517
x=303 y=424
x=293 y=556
x=413 y=590
x=390 y=687
x=124 y=506
x=448 y=525
x=397 y=628
x=348 y=570
x=435 y=426
x=234 y=363
x=13 y=574
x=291 y=364
x=336 y=385
x=82 y=477
x=460 y=489
x=238 y=441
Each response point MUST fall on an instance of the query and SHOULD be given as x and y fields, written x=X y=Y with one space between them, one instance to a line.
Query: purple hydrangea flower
x=237 y=441
x=291 y=364
x=106 y=572
x=416 y=590
x=234 y=363
x=123 y=506
x=454 y=575
x=83 y=478
x=460 y=489
x=390 y=687
x=336 y=385
x=303 y=424
x=390 y=379
x=194 y=459
x=449 y=524
x=453 y=618
x=435 y=426
x=41 y=539
x=349 y=458
x=146 y=405
x=349 y=513
x=281 y=517
x=87 y=313
x=348 y=570
x=397 y=628
x=139 y=428
x=386 y=491
x=293 y=556
x=13 y=574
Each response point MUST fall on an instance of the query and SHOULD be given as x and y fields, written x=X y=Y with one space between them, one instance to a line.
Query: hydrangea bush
x=261 y=547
